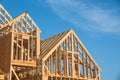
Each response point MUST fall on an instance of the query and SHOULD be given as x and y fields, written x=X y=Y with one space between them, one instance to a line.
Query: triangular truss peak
x=21 y=24
x=24 y=24
x=69 y=57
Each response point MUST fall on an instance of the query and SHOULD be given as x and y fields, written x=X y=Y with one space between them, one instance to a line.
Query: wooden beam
x=23 y=63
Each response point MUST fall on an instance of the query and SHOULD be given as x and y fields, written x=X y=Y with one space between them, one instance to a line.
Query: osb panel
x=5 y=53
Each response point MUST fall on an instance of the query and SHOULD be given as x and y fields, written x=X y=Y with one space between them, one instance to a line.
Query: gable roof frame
x=22 y=16
x=44 y=57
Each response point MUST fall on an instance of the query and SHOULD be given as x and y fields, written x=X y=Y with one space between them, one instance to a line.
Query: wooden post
x=28 y=51
x=12 y=51
x=86 y=66
x=10 y=74
x=49 y=64
x=59 y=61
x=73 y=65
x=32 y=46
x=65 y=64
x=99 y=75
x=94 y=71
x=38 y=43
x=12 y=42
x=22 y=48
x=67 y=71
x=56 y=69
x=73 y=49
x=43 y=74
x=90 y=69
x=83 y=62
x=16 y=55
x=51 y=67
x=78 y=68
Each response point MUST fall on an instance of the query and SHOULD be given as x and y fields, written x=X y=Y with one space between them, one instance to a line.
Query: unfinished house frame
x=24 y=56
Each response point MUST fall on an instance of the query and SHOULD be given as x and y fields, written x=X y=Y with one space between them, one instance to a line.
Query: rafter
x=5 y=17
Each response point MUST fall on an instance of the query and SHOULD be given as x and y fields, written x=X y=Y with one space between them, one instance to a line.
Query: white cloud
x=86 y=15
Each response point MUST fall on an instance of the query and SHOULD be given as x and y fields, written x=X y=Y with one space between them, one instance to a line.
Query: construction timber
x=24 y=56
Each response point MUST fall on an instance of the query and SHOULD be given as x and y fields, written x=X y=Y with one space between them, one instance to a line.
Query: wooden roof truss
x=70 y=59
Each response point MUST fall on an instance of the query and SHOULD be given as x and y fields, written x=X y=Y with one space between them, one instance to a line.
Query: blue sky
x=96 y=22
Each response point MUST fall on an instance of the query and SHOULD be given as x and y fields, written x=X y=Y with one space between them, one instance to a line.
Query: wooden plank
x=2 y=77
x=23 y=63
